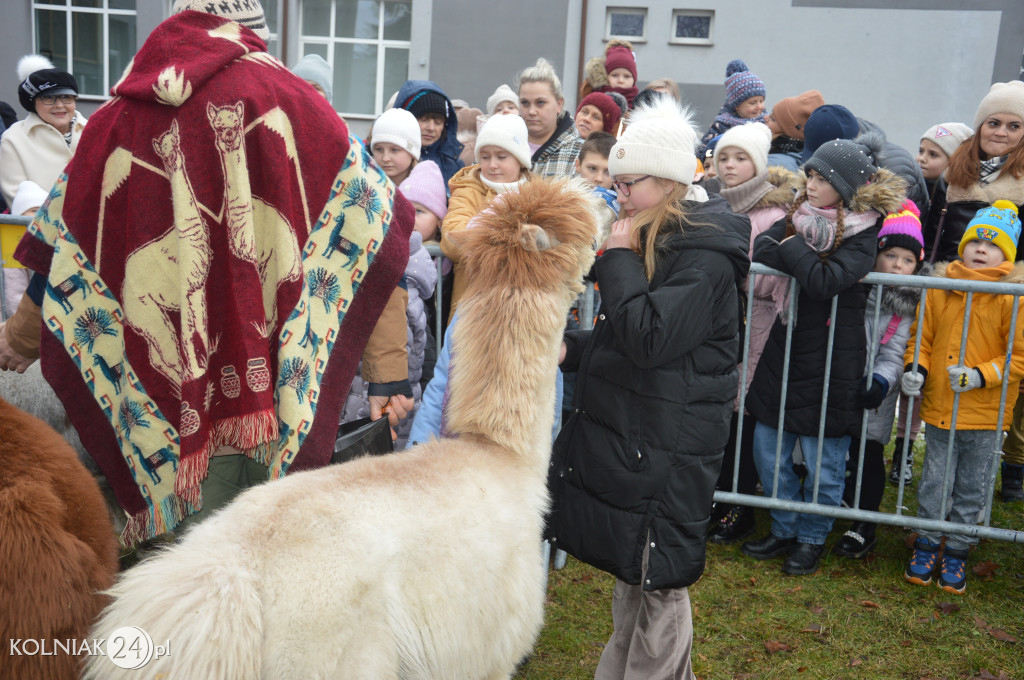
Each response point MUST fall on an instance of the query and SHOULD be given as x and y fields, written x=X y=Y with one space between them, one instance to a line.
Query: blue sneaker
x=953 y=572
x=922 y=564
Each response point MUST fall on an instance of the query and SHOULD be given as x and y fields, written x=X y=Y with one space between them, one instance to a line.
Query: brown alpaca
x=425 y=563
x=57 y=548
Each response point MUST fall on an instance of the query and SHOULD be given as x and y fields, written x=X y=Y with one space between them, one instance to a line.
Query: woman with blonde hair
x=554 y=142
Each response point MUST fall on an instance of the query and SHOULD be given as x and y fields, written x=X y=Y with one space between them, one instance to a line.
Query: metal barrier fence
x=770 y=500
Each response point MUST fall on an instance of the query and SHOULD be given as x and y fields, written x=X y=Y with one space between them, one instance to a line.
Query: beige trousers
x=653 y=635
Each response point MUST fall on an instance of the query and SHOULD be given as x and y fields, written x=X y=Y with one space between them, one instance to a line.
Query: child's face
x=647 y=192
x=1000 y=134
x=431 y=128
x=498 y=165
x=734 y=167
x=982 y=254
x=621 y=77
x=392 y=159
x=593 y=167
x=750 y=108
x=506 y=108
x=316 y=86
x=820 y=194
x=895 y=261
x=426 y=222
x=932 y=159
x=588 y=119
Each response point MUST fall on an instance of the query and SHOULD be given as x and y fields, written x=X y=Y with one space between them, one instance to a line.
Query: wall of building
x=904 y=68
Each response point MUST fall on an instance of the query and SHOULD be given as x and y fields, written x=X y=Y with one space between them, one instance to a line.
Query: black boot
x=1013 y=481
x=736 y=525
x=857 y=542
x=803 y=559
x=896 y=468
x=768 y=547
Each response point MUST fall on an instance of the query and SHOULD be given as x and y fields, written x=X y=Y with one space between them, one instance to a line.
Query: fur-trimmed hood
x=787 y=184
x=1016 y=275
x=883 y=194
x=594 y=72
x=900 y=300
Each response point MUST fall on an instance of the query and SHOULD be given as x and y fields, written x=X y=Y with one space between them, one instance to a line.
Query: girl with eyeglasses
x=37 y=148
x=635 y=465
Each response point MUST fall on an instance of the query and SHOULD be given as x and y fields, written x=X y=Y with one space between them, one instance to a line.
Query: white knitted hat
x=29 y=195
x=754 y=138
x=1001 y=98
x=509 y=133
x=249 y=13
x=398 y=127
x=660 y=140
x=314 y=67
x=948 y=136
x=504 y=93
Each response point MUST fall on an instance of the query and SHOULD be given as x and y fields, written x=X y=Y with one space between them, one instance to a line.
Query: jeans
x=813 y=529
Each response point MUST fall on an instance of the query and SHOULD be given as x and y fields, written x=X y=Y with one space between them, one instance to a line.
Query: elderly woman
x=37 y=148
x=987 y=167
x=554 y=142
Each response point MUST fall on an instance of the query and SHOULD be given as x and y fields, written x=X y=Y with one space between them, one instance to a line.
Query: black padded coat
x=637 y=461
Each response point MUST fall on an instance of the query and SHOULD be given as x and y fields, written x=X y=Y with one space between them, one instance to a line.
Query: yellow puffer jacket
x=986 y=348
x=469 y=196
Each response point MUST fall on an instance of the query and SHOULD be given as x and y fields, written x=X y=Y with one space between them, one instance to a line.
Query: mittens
x=912 y=382
x=964 y=378
x=872 y=391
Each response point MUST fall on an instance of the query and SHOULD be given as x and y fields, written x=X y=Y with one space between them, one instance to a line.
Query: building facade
x=903 y=64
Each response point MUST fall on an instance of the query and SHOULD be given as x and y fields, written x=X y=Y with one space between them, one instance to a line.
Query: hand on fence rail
x=912 y=383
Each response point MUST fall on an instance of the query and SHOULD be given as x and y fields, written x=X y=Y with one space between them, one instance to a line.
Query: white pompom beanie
x=753 y=138
x=509 y=133
x=660 y=140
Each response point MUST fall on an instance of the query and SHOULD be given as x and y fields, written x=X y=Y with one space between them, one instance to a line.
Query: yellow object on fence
x=10 y=235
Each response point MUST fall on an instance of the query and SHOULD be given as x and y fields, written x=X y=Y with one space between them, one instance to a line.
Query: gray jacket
x=888 y=339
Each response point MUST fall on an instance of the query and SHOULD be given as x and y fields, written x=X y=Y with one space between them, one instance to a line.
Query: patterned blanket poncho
x=203 y=253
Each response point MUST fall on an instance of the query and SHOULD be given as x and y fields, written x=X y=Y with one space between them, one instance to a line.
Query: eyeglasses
x=623 y=187
x=51 y=99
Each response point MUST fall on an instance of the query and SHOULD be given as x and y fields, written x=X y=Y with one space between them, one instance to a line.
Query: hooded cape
x=217 y=254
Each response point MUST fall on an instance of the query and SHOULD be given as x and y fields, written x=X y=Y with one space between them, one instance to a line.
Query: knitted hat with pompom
x=741 y=84
x=660 y=141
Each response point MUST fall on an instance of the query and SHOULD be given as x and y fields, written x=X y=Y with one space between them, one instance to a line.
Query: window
x=626 y=23
x=271 y=10
x=692 y=26
x=367 y=44
x=92 y=39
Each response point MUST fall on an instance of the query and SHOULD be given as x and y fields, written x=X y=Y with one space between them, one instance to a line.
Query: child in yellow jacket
x=988 y=250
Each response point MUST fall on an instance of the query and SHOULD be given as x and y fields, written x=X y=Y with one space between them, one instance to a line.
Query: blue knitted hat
x=826 y=123
x=998 y=224
x=740 y=84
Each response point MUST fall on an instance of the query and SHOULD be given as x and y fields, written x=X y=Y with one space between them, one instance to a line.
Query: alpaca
x=57 y=547
x=424 y=563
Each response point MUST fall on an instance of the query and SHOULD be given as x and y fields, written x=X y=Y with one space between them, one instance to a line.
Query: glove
x=912 y=382
x=962 y=378
x=872 y=392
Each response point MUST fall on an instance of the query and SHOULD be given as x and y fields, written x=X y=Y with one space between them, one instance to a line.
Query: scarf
x=817 y=227
x=217 y=255
x=744 y=197
x=988 y=170
x=785 y=144
x=629 y=93
x=730 y=119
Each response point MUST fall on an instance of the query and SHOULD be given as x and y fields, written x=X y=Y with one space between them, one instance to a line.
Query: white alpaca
x=420 y=564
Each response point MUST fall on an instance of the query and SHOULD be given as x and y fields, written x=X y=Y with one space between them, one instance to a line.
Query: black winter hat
x=844 y=164
x=427 y=101
x=37 y=81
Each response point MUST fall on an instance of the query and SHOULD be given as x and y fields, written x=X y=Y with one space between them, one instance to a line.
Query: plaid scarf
x=217 y=255
x=989 y=170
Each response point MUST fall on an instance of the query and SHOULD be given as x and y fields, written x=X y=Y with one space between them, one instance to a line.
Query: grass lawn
x=851 y=619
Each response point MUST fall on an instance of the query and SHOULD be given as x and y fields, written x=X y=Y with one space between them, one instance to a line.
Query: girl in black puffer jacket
x=827 y=244
x=635 y=465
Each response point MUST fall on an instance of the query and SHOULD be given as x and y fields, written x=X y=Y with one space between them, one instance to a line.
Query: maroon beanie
x=620 y=56
x=610 y=111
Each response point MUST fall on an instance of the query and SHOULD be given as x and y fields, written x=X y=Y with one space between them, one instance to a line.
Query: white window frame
x=639 y=11
x=710 y=40
x=68 y=10
x=331 y=40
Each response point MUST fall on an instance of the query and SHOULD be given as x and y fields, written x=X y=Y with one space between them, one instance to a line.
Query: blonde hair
x=668 y=84
x=660 y=220
x=541 y=72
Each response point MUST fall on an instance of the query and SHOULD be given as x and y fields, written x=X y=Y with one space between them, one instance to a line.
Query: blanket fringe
x=155 y=520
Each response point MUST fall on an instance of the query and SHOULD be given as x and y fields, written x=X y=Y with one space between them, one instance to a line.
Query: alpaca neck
x=503 y=367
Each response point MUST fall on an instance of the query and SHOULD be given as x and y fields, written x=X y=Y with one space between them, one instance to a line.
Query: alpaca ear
x=535 y=239
x=211 y=111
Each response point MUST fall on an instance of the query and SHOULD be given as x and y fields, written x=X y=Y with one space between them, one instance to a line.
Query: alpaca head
x=540 y=237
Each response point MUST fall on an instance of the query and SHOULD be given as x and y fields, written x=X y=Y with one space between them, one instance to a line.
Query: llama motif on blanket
x=346 y=583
